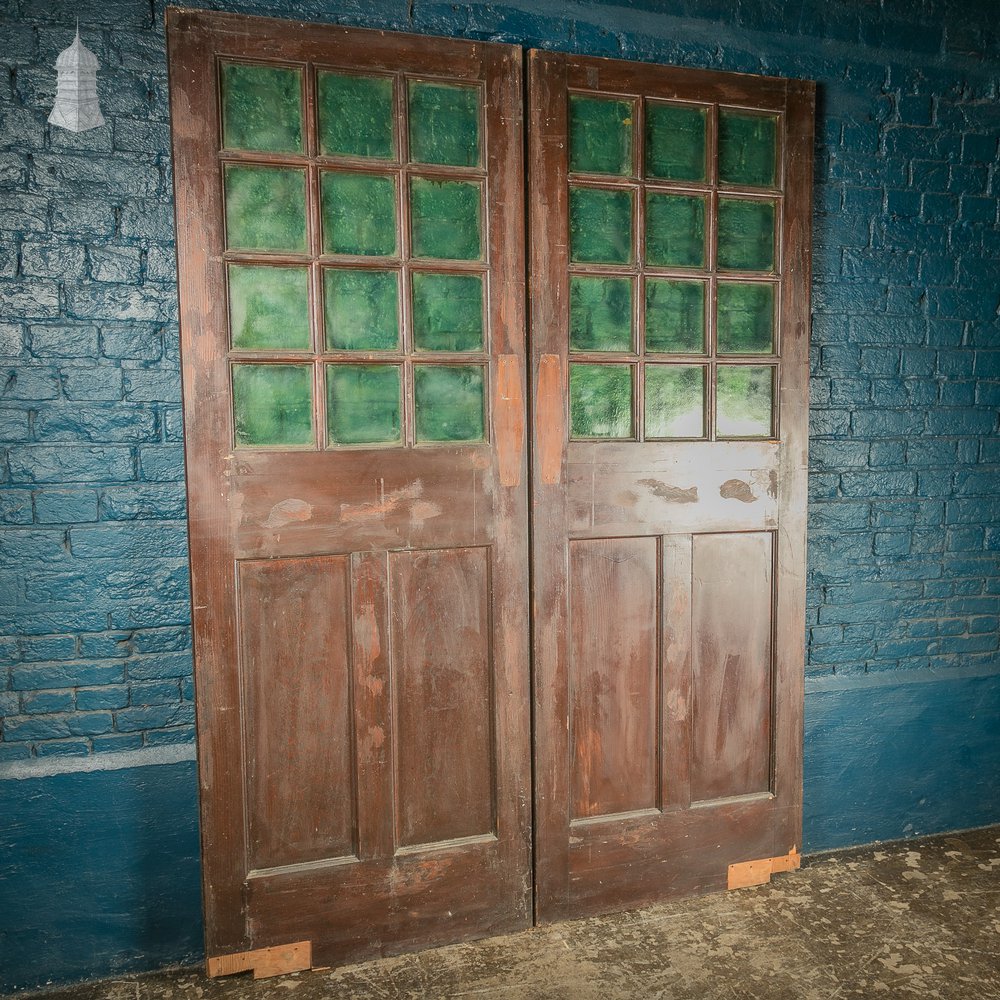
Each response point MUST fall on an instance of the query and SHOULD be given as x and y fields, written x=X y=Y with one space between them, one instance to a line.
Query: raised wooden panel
x=442 y=704
x=614 y=654
x=295 y=626
x=732 y=598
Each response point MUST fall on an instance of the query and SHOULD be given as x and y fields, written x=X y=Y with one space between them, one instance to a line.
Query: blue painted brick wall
x=904 y=527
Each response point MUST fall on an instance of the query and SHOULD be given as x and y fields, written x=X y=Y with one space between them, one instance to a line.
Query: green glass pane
x=361 y=310
x=747 y=149
x=675 y=142
x=362 y=404
x=675 y=316
x=449 y=402
x=600 y=314
x=269 y=307
x=447 y=312
x=355 y=116
x=600 y=135
x=265 y=208
x=261 y=108
x=675 y=230
x=675 y=401
x=359 y=214
x=272 y=404
x=744 y=398
x=444 y=124
x=600 y=226
x=445 y=219
x=600 y=401
x=745 y=323
x=746 y=235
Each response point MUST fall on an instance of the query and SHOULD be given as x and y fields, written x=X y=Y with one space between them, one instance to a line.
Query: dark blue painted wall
x=903 y=672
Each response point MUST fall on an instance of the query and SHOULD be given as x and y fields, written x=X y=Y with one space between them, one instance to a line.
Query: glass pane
x=746 y=235
x=359 y=214
x=265 y=208
x=261 y=108
x=447 y=312
x=272 y=404
x=745 y=323
x=747 y=148
x=449 y=402
x=744 y=400
x=269 y=307
x=445 y=219
x=675 y=230
x=600 y=225
x=600 y=135
x=361 y=310
x=675 y=316
x=675 y=142
x=355 y=116
x=600 y=314
x=444 y=124
x=362 y=404
x=675 y=401
x=600 y=401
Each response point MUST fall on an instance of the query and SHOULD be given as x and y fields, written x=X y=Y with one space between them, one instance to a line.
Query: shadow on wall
x=99 y=864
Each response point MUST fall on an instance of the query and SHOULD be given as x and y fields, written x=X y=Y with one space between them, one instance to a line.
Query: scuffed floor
x=919 y=918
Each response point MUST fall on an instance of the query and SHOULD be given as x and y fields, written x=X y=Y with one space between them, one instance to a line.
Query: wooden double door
x=485 y=635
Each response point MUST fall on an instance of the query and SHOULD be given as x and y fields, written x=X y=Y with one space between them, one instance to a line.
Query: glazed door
x=669 y=220
x=350 y=238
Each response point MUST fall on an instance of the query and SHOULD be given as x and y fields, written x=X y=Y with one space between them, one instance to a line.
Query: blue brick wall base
x=100 y=872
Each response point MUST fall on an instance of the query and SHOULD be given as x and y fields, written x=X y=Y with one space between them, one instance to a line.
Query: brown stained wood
x=550 y=418
x=265 y=962
x=297 y=697
x=732 y=595
x=748 y=873
x=442 y=683
x=683 y=491
x=508 y=417
x=614 y=672
x=352 y=506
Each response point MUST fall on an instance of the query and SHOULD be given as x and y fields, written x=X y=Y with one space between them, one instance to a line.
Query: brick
x=111 y=697
x=102 y=382
x=117 y=742
x=65 y=506
x=21 y=546
x=153 y=385
x=160 y=665
x=29 y=383
x=124 y=423
x=94 y=175
x=887 y=423
x=82 y=217
x=68 y=464
x=115 y=264
x=129 y=542
x=878 y=483
x=165 y=692
x=124 y=503
x=118 y=302
x=33 y=677
x=132 y=341
x=53 y=258
x=40 y=702
x=148 y=220
x=154 y=717
x=11 y=340
x=24 y=213
x=167 y=737
x=164 y=640
x=15 y=507
x=64 y=748
x=63 y=341
x=91 y=723
x=106 y=645
x=34 y=299
x=28 y=727
x=161 y=463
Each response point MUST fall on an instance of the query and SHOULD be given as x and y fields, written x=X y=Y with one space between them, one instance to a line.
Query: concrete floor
x=919 y=918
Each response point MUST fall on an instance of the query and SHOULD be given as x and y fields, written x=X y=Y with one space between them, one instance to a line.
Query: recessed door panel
x=296 y=672
x=614 y=675
x=732 y=601
x=443 y=695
